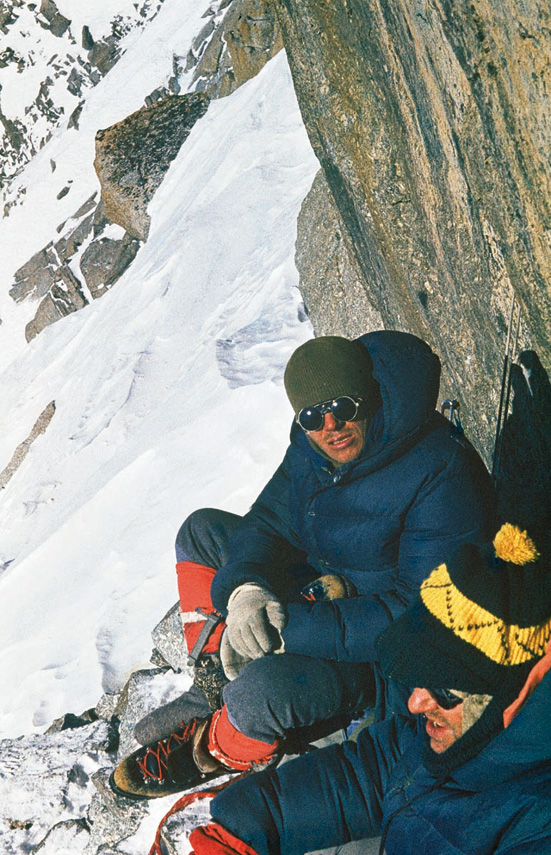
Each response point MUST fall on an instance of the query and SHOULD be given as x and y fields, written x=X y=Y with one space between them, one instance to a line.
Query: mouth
x=341 y=441
x=435 y=729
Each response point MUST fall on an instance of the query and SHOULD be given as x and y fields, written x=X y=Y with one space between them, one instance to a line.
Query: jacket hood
x=408 y=374
x=522 y=747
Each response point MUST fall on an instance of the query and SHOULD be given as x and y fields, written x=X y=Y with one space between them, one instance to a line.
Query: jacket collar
x=520 y=748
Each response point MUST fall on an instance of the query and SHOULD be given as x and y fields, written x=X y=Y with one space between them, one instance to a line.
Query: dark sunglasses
x=445 y=698
x=343 y=409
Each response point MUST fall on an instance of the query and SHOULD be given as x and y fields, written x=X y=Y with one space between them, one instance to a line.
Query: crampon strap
x=183 y=802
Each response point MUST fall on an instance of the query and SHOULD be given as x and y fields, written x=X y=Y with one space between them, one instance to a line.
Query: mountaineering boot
x=195 y=753
x=202 y=699
x=166 y=767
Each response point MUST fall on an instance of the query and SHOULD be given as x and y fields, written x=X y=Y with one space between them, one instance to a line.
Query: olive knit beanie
x=326 y=367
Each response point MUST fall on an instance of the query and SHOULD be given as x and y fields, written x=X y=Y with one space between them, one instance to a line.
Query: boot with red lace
x=197 y=752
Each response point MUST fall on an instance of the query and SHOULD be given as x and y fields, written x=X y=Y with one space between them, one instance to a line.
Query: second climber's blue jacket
x=494 y=804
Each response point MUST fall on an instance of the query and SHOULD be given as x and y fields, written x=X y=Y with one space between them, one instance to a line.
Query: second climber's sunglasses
x=343 y=409
x=445 y=698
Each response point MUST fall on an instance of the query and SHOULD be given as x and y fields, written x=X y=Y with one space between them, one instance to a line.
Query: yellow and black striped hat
x=479 y=623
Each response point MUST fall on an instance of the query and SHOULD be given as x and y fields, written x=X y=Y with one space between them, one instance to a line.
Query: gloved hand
x=255 y=621
x=232 y=661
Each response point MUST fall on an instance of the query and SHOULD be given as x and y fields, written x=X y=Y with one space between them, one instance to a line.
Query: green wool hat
x=326 y=367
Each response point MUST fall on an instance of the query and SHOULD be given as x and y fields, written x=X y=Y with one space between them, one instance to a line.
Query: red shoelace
x=159 y=754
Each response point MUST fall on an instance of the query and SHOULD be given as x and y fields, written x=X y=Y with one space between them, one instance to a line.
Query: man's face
x=341 y=441
x=444 y=727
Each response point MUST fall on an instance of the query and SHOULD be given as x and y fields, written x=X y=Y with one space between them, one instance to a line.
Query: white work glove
x=232 y=661
x=255 y=620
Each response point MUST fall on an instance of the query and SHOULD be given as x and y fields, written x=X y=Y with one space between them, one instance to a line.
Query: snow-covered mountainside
x=50 y=58
x=164 y=395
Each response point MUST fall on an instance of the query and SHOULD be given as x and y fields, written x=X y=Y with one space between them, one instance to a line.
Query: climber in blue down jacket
x=474 y=776
x=375 y=489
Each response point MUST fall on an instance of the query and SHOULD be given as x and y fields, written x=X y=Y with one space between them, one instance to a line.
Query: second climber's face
x=443 y=726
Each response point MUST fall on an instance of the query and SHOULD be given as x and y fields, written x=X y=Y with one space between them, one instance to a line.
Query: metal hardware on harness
x=506 y=381
x=451 y=408
x=212 y=619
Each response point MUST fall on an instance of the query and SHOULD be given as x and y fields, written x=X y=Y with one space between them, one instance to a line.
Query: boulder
x=133 y=156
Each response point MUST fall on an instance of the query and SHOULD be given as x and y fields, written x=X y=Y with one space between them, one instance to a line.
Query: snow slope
x=66 y=162
x=168 y=390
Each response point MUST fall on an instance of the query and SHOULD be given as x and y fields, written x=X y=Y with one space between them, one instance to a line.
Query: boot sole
x=159 y=795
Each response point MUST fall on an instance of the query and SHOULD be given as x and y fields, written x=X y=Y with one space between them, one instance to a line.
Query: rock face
x=332 y=285
x=82 y=265
x=228 y=54
x=430 y=122
x=22 y=450
x=132 y=157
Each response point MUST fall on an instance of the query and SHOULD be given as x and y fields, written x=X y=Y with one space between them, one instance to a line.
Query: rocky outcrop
x=429 y=122
x=64 y=297
x=54 y=792
x=226 y=55
x=133 y=156
x=39 y=427
x=105 y=260
x=8 y=13
x=81 y=265
x=76 y=66
x=57 y=23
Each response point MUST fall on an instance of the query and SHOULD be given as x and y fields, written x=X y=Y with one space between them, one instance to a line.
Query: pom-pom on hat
x=514 y=545
x=327 y=367
x=480 y=622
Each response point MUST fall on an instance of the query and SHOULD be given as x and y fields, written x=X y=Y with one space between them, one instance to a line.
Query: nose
x=331 y=423
x=421 y=701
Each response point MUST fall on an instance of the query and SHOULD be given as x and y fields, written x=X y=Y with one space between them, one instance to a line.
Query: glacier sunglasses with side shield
x=343 y=409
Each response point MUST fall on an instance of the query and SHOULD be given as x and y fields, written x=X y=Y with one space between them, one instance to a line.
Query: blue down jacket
x=384 y=520
x=499 y=803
